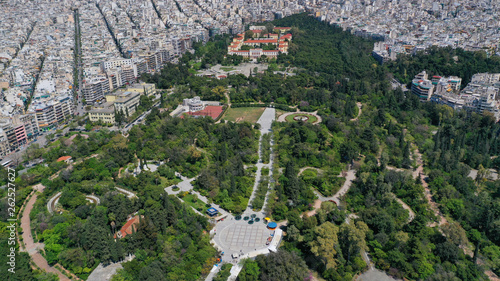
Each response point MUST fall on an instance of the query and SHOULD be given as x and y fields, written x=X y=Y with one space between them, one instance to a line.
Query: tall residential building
x=29 y=122
x=50 y=113
x=422 y=87
x=484 y=99
x=95 y=89
x=116 y=63
x=4 y=144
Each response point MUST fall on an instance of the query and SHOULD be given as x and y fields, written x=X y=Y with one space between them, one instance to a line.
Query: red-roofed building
x=242 y=53
x=254 y=42
x=129 y=228
x=270 y=53
x=256 y=32
x=281 y=44
x=66 y=159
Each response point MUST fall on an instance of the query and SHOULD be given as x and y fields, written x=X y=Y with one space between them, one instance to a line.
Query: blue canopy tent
x=272 y=225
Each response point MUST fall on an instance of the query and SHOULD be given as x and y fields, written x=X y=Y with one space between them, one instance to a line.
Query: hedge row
x=275 y=105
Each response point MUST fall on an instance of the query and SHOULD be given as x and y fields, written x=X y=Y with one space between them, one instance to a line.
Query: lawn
x=240 y=114
x=227 y=68
x=311 y=119
x=193 y=71
x=198 y=205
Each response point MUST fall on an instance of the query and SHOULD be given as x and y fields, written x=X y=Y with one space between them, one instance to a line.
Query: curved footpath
x=359 y=112
x=411 y=214
x=318 y=170
x=372 y=274
x=29 y=245
x=428 y=196
x=434 y=206
x=282 y=117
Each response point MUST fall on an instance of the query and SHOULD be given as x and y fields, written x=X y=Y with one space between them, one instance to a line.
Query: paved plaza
x=240 y=237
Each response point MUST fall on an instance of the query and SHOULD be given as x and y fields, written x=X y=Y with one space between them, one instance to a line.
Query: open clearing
x=241 y=114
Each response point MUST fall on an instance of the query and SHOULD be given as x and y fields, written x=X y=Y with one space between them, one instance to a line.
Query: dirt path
x=228 y=106
x=349 y=178
x=411 y=214
x=312 y=168
x=491 y=275
x=316 y=206
x=70 y=140
x=428 y=196
x=31 y=247
x=442 y=220
x=359 y=112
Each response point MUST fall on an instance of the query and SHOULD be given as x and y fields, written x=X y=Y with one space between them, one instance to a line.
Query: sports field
x=241 y=114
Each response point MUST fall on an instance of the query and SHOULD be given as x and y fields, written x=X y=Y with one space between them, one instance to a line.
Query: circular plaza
x=241 y=236
x=306 y=117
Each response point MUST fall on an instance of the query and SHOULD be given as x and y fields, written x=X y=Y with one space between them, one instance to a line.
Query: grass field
x=227 y=68
x=198 y=205
x=311 y=119
x=240 y=114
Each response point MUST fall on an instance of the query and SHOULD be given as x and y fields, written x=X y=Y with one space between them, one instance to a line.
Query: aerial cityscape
x=250 y=140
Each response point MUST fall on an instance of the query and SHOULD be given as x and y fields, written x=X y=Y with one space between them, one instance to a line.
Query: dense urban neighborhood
x=249 y=140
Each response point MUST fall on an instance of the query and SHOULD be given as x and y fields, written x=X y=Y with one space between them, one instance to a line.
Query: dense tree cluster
x=225 y=180
x=444 y=61
x=282 y=265
x=333 y=71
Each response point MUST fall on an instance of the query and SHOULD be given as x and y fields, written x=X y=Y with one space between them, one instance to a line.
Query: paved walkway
x=265 y=121
x=349 y=178
x=31 y=247
x=104 y=273
x=248 y=240
x=51 y=204
x=186 y=185
x=374 y=274
x=271 y=172
x=127 y=193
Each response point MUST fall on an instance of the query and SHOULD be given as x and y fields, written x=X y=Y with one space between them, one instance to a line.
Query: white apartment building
x=116 y=63
x=51 y=112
